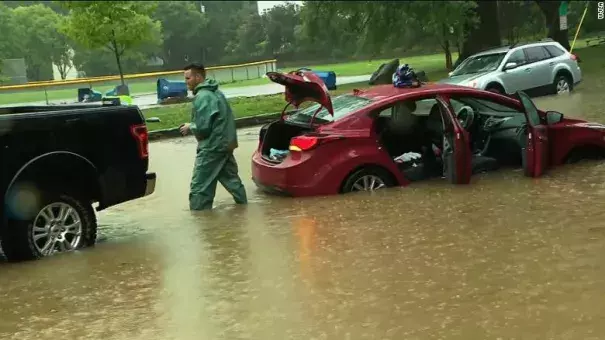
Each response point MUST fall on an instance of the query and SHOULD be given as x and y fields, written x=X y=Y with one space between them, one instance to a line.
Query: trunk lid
x=302 y=86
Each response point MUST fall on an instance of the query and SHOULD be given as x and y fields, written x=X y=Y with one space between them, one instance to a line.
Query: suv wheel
x=495 y=89
x=61 y=223
x=562 y=84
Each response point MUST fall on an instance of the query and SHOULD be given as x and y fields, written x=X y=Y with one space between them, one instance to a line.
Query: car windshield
x=343 y=105
x=479 y=64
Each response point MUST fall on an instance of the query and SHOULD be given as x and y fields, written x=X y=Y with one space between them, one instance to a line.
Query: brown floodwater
x=507 y=257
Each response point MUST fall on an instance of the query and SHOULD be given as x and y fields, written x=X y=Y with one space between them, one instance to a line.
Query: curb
x=239 y=123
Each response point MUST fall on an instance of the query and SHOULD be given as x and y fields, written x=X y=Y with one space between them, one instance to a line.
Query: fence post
x=232 y=76
x=46 y=95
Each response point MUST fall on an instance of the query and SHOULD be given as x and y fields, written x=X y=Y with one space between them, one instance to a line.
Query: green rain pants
x=210 y=168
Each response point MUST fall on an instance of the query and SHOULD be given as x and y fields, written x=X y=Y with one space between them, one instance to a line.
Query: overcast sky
x=263 y=5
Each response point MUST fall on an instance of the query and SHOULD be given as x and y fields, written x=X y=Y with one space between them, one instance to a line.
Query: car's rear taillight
x=140 y=134
x=305 y=143
x=574 y=57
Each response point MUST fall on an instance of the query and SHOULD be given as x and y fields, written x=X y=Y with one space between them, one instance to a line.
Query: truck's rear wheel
x=61 y=223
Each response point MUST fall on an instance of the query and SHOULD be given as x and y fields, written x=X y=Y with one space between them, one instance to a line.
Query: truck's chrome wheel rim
x=562 y=86
x=368 y=183
x=57 y=228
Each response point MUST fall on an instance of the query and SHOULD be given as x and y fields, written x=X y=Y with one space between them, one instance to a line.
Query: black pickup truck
x=56 y=162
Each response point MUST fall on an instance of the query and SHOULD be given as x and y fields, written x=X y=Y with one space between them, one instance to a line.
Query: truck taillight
x=140 y=134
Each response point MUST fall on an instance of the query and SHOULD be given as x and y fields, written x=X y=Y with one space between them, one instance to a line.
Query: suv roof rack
x=523 y=43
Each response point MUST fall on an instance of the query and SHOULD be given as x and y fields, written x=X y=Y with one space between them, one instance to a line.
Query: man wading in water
x=213 y=126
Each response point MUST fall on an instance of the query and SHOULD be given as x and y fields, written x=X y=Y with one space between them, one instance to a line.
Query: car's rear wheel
x=367 y=179
x=495 y=89
x=61 y=223
x=562 y=84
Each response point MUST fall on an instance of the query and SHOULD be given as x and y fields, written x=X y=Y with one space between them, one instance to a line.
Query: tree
x=247 y=40
x=37 y=33
x=550 y=9
x=482 y=34
x=279 y=23
x=62 y=55
x=184 y=28
x=115 y=25
x=445 y=21
x=9 y=42
x=520 y=20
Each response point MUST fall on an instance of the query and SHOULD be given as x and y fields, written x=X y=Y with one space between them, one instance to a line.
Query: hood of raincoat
x=208 y=84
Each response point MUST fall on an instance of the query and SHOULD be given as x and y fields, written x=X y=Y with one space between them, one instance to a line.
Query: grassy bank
x=174 y=115
x=429 y=63
x=593 y=67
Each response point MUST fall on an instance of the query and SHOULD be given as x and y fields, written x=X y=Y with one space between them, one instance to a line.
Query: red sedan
x=387 y=136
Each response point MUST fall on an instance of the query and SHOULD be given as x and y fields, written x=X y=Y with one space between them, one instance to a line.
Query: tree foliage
x=115 y=25
x=110 y=37
x=184 y=29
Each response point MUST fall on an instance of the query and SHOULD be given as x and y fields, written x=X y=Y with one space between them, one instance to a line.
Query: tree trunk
x=62 y=70
x=116 y=52
x=550 y=9
x=446 y=48
x=485 y=35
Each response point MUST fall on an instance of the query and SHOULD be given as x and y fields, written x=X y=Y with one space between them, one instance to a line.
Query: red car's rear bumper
x=298 y=178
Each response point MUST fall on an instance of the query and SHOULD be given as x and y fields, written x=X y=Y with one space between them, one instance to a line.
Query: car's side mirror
x=553 y=117
x=510 y=66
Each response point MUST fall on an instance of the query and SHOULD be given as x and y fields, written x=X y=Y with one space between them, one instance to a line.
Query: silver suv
x=526 y=67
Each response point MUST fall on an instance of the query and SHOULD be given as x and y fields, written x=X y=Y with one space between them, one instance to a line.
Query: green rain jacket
x=212 y=121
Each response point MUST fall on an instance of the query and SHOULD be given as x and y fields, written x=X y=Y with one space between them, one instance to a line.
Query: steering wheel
x=466 y=117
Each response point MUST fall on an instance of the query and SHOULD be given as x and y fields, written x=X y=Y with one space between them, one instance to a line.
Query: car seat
x=434 y=125
x=479 y=163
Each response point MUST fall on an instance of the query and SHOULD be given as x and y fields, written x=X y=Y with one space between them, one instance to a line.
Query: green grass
x=176 y=114
x=427 y=63
x=593 y=70
x=69 y=93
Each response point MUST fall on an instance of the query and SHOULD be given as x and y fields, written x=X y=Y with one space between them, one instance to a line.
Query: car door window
x=517 y=57
x=388 y=112
x=532 y=111
x=483 y=105
x=536 y=54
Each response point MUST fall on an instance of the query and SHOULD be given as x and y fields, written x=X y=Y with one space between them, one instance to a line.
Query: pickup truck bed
x=56 y=162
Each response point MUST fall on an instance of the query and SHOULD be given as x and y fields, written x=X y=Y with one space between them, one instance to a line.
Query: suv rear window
x=342 y=105
x=554 y=51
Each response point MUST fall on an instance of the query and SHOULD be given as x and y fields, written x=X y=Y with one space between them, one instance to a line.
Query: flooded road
x=508 y=257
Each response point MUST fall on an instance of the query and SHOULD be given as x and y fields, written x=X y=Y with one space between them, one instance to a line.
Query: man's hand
x=185 y=129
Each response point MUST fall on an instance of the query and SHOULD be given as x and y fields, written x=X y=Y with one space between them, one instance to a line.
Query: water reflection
x=505 y=257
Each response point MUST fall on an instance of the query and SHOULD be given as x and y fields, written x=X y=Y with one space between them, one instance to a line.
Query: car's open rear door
x=534 y=139
x=456 y=151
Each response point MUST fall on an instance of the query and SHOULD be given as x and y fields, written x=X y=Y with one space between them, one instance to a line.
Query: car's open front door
x=456 y=151
x=533 y=138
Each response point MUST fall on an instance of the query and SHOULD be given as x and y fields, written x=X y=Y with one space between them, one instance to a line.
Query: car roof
x=504 y=49
x=380 y=92
x=496 y=50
